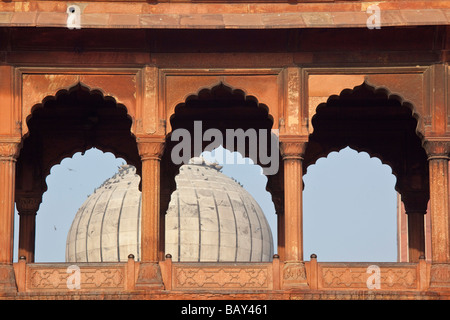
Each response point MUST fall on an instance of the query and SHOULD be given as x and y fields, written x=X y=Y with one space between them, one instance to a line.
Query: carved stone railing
x=229 y=277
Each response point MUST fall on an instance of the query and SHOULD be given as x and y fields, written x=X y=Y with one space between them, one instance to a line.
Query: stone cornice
x=222 y=15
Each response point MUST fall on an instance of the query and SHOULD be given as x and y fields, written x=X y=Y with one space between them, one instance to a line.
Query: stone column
x=438 y=157
x=292 y=151
x=415 y=208
x=150 y=151
x=293 y=274
x=8 y=156
x=27 y=206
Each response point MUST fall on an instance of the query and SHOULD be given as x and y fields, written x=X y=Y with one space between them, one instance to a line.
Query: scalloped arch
x=94 y=93
x=377 y=90
x=358 y=149
x=209 y=89
x=67 y=89
x=373 y=151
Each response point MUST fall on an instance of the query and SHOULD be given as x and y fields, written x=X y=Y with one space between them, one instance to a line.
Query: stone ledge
x=347 y=19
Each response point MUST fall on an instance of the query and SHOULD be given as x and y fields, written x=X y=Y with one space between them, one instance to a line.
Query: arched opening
x=72 y=121
x=216 y=117
x=69 y=184
x=385 y=127
x=350 y=208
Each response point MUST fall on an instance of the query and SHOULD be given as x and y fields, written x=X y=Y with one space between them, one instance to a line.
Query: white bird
x=73 y=17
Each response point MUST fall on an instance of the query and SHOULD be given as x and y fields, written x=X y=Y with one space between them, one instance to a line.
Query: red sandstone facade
x=136 y=71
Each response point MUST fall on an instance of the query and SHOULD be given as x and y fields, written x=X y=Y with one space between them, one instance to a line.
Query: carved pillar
x=292 y=150
x=438 y=156
x=8 y=156
x=150 y=151
x=27 y=206
x=415 y=208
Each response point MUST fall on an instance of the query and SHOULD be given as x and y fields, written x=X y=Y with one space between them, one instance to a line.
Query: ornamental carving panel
x=391 y=278
x=294 y=274
x=293 y=114
x=91 y=278
x=440 y=275
x=223 y=277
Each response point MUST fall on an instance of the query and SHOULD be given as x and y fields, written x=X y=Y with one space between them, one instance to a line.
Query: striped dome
x=211 y=218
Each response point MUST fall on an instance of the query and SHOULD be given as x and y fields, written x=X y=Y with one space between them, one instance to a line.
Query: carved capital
x=28 y=204
x=151 y=149
x=415 y=201
x=9 y=151
x=437 y=149
x=292 y=148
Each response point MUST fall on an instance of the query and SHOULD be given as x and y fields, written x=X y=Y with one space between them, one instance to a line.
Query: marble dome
x=211 y=218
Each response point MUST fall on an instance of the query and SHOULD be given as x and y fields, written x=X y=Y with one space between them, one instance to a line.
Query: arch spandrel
x=120 y=87
x=321 y=87
x=263 y=88
x=407 y=88
x=37 y=87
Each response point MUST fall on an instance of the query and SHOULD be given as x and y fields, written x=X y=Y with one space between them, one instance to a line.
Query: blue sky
x=349 y=204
